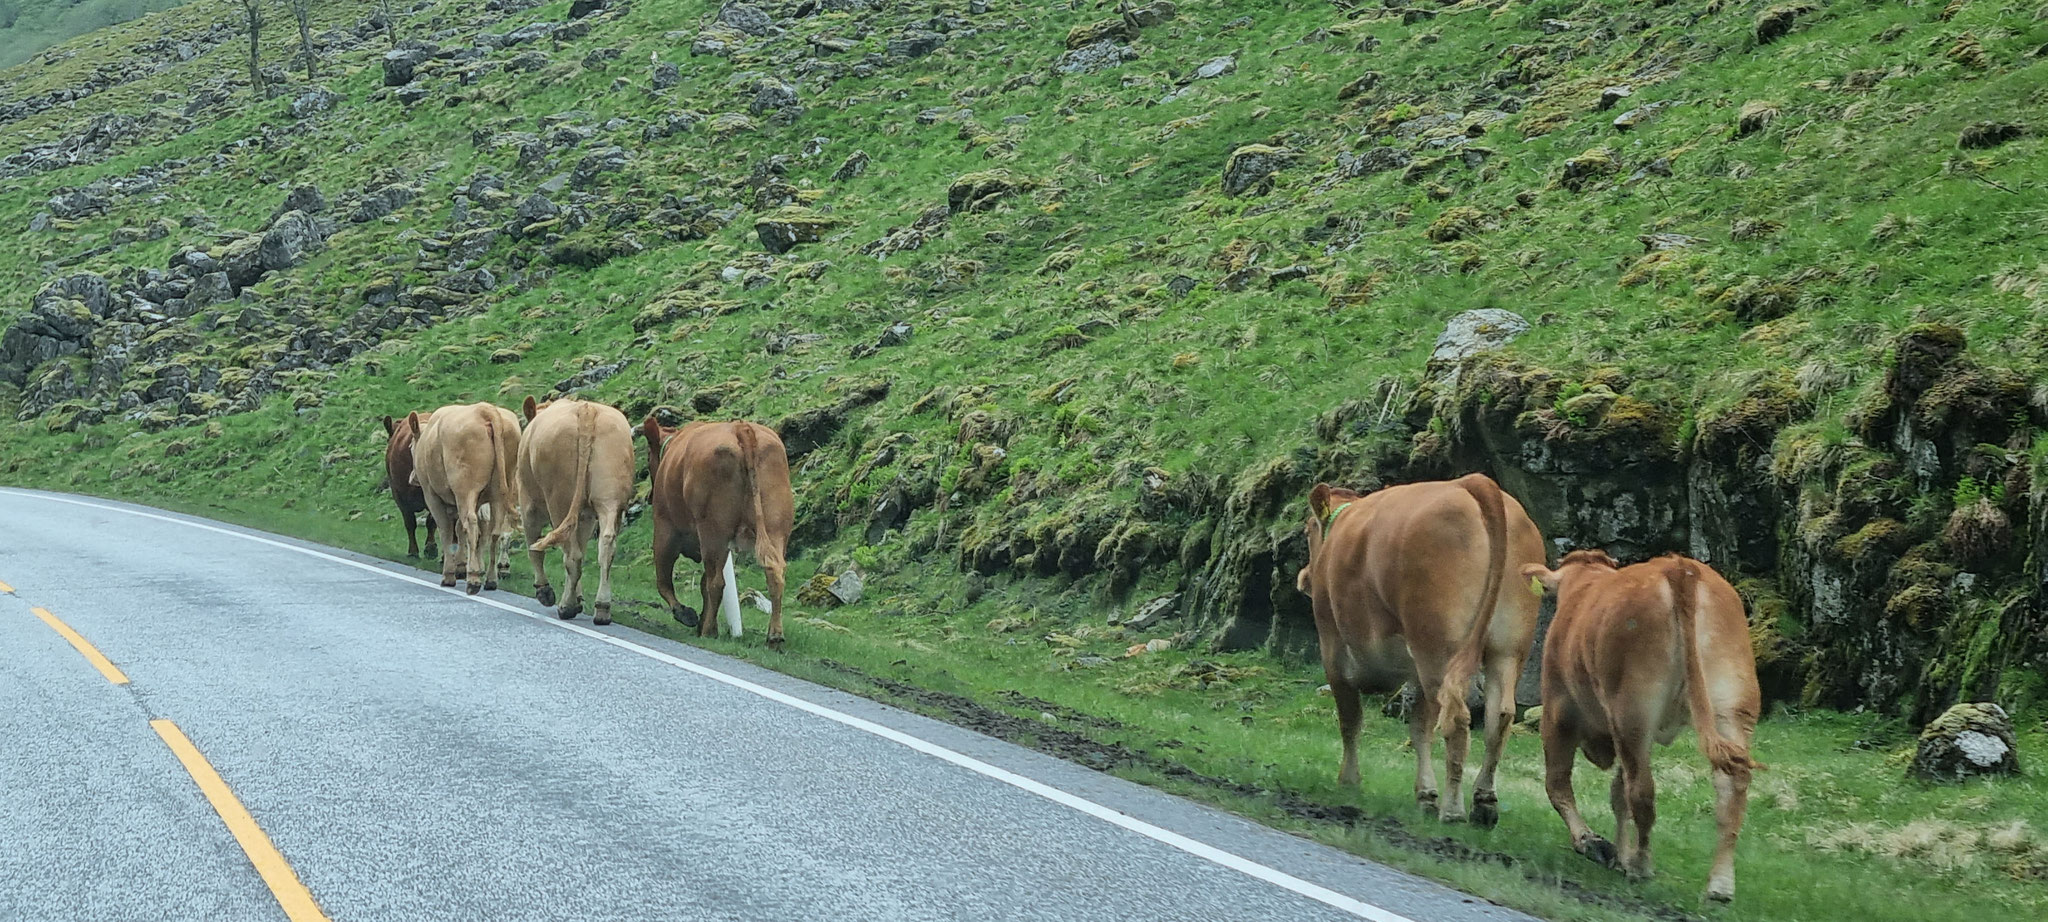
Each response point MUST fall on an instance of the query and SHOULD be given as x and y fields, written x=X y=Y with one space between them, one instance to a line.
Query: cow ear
x=1541 y=578
x=1319 y=500
x=529 y=408
x=412 y=422
x=390 y=426
x=651 y=430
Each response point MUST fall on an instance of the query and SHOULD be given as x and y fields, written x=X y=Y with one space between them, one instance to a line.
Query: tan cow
x=1633 y=653
x=462 y=458
x=1406 y=586
x=405 y=491
x=716 y=486
x=575 y=472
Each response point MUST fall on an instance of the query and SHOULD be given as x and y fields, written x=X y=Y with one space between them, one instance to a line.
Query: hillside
x=1063 y=309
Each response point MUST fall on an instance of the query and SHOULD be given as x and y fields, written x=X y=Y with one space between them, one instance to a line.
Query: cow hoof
x=1485 y=812
x=472 y=587
x=545 y=595
x=1450 y=814
x=447 y=582
x=775 y=642
x=602 y=616
x=566 y=614
x=1600 y=851
x=491 y=584
x=1720 y=896
x=1427 y=801
x=685 y=615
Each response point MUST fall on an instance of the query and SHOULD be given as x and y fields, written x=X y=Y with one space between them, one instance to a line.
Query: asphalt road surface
x=382 y=749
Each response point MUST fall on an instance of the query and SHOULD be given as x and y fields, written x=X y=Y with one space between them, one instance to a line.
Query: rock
x=855 y=167
x=400 y=65
x=313 y=102
x=980 y=191
x=303 y=198
x=782 y=230
x=1638 y=115
x=773 y=95
x=1100 y=56
x=1968 y=741
x=1181 y=285
x=597 y=163
x=1365 y=83
x=582 y=8
x=1756 y=115
x=896 y=335
x=666 y=75
x=1470 y=333
x=1778 y=21
x=1653 y=243
x=911 y=45
x=718 y=41
x=78 y=203
x=1251 y=168
x=846 y=587
x=41 y=222
x=527 y=60
x=1216 y=67
x=1989 y=134
x=748 y=19
x=1082 y=36
x=1150 y=614
x=1147 y=16
x=1373 y=160
x=1583 y=170
x=411 y=95
x=291 y=238
x=1612 y=95
x=209 y=289
x=383 y=202
x=530 y=32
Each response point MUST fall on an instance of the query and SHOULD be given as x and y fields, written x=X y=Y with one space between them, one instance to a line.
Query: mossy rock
x=1082 y=36
x=785 y=228
x=1458 y=223
x=1588 y=168
x=1747 y=428
x=983 y=190
x=1878 y=539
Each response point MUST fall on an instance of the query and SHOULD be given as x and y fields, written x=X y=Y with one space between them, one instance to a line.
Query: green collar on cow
x=1331 y=519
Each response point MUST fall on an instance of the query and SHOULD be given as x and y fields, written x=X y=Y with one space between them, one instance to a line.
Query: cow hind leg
x=534 y=521
x=412 y=540
x=572 y=564
x=1500 y=703
x=495 y=563
x=451 y=562
x=712 y=583
x=1639 y=790
x=1560 y=756
x=667 y=548
x=1350 y=716
x=1731 y=802
x=768 y=552
x=1422 y=736
x=433 y=546
x=1457 y=737
x=607 y=544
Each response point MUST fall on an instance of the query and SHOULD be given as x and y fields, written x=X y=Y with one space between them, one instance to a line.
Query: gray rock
x=847 y=588
x=306 y=198
x=529 y=32
x=911 y=45
x=400 y=65
x=1100 y=56
x=771 y=96
x=596 y=163
x=313 y=102
x=293 y=237
x=1969 y=741
x=1250 y=168
x=1216 y=67
x=78 y=203
x=1470 y=333
x=666 y=75
x=855 y=167
x=42 y=221
x=1373 y=160
x=582 y=8
x=1614 y=94
x=198 y=262
x=536 y=207
x=209 y=289
x=748 y=19
x=528 y=60
x=1150 y=15
x=1150 y=614
x=896 y=335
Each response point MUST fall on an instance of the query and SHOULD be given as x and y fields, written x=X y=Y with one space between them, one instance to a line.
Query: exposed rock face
x=1469 y=333
x=1251 y=168
x=1967 y=741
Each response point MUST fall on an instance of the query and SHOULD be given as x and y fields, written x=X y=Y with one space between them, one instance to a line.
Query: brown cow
x=1633 y=654
x=715 y=486
x=1406 y=586
x=462 y=459
x=575 y=471
x=404 y=490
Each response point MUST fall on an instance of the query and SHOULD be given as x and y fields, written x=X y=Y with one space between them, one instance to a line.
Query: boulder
x=1470 y=333
x=1970 y=740
x=1251 y=168
x=582 y=8
x=772 y=95
x=1100 y=56
x=748 y=19
x=294 y=236
x=914 y=44
x=782 y=230
x=313 y=102
x=400 y=64
x=855 y=166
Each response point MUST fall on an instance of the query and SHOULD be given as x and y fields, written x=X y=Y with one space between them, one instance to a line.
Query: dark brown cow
x=1407 y=588
x=715 y=487
x=1632 y=655
x=404 y=491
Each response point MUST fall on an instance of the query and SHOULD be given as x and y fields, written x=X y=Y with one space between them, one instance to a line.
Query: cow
x=404 y=490
x=714 y=487
x=1632 y=655
x=575 y=472
x=462 y=459
x=1406 y=585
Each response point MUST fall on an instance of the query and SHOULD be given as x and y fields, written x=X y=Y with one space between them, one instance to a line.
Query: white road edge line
x=1168 y=837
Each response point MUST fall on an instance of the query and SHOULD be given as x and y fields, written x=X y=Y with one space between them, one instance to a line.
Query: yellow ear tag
x=1536 y=586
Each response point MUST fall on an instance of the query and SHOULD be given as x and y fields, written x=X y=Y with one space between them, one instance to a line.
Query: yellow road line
x=6 y=589
x=284 y=884
x=91 y=653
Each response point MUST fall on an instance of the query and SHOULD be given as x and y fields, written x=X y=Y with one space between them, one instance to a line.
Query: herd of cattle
x=716 y=488
x=1411 y=584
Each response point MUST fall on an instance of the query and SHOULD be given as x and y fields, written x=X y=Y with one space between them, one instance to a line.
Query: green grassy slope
x=1052 y=323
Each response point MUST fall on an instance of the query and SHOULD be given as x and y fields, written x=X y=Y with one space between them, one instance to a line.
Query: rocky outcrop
x=1967 y=741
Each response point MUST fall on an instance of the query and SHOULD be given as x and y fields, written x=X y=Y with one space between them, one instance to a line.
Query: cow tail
x=1724 y=754
x=1465 y=662
x=756 y=517
x=506 y=492
x=567 y=525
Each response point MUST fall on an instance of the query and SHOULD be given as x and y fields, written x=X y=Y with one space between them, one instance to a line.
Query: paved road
x=412 y=753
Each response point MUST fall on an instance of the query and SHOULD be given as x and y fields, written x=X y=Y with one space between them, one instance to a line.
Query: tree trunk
x=303 y=9
x=255 y=57
x=390 y=23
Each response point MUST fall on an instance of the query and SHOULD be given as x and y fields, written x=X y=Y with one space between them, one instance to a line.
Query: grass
x=1054 y=315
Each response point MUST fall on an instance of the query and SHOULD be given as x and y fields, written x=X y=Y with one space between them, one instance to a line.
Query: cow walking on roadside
x=576 y=475
x=1407 y=587
x=714 y=488
x=1634 y=654
x=405 y=491
x=462 y=459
